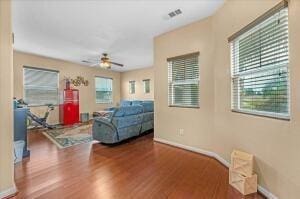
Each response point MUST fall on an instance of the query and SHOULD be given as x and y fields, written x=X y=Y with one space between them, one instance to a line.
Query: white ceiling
x=76 y=30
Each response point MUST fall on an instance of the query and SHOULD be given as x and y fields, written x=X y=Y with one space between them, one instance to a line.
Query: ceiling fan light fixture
x=104 y=62
x=105 y=65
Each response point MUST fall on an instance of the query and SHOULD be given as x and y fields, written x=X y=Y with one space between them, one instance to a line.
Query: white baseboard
x=261 y=189
x=8 y=192
x=266 y=193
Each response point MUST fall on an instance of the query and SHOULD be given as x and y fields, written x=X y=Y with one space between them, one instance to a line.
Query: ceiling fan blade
x=95 y=64
x=93 y=60
x=117 y=64
x=86 y=61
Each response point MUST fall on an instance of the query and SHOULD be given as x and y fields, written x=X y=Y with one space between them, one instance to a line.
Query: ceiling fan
x=104 y=62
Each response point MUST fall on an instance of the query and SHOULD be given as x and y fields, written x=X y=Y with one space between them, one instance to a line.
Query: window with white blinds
x=146 y=83
x=183 y=80
x=40 y=86
x=132 y=87
x=260 y=73
x=104 y=90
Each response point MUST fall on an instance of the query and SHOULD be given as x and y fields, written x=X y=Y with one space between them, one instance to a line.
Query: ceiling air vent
x=172 y=14
x=178 y=12
x=85 y=61
x=175 y=13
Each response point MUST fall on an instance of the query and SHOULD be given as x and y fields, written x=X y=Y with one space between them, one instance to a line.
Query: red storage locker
x=69 y=107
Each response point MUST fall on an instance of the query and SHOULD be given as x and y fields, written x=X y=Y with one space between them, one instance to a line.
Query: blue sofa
x=131 y=119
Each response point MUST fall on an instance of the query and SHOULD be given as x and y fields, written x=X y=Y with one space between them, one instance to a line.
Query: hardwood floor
x=139 y=168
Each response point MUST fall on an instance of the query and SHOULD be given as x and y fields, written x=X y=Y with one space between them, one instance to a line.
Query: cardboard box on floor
x=241 y=175
x=242 y=162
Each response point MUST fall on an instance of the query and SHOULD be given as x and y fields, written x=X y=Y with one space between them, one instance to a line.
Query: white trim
x=189 y=148
x=264 y=113
x=8 y=192
x=261 y=189
x=266 y=193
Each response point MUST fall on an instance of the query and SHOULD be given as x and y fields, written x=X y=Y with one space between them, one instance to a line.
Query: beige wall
x=275 y=143
x=7 y=186
x=196 y=123
x=138 y=76
x=87 y=94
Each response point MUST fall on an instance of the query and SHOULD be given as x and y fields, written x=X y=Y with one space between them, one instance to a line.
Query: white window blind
x=260 y=74
x=104 y=90
x=40 y=86
x=146 y=85
x=183 y=80
x=131 y=87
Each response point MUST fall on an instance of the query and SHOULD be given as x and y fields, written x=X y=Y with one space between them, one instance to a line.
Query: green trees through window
x=183 y=77
x=260 y=75
x=104 y=90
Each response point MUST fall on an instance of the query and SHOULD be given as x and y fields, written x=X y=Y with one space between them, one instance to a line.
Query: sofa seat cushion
x=128 y=110
x=122 y=122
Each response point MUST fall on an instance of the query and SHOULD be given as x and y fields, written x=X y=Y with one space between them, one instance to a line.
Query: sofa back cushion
x=125 y=103
x=148 y=106
x=136 y=102
x=128 y=110
x=150 y=101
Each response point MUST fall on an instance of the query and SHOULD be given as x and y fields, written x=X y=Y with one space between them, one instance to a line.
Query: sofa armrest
x=104 y=131
x=105 y=121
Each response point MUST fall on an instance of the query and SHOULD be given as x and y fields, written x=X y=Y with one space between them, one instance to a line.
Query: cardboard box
x=244 y=184
x=242 y=162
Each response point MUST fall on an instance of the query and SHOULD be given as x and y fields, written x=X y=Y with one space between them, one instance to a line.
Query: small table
x=101 y=113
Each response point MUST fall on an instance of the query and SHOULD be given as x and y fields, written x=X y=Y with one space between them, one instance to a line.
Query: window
x=104 y=90
x=146 y=85
x=131 y=87
x=40 y=86
x=260 y=75
x=183 y=80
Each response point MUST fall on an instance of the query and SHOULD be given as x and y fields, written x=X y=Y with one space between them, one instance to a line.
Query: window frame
x=40 y=69
x=112 y=90
x=236 y=76
x=183 y=82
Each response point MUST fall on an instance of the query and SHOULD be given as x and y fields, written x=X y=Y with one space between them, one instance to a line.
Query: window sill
x=261 y=114
x=178 y=106
x=110 y=103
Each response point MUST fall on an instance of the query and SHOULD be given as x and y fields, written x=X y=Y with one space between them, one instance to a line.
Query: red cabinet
x=69 y=107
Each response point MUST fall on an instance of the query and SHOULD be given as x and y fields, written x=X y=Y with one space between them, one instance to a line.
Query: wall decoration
x=79 y=81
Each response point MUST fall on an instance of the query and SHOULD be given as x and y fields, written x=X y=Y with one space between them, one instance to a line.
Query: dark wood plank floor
x=139 y=168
